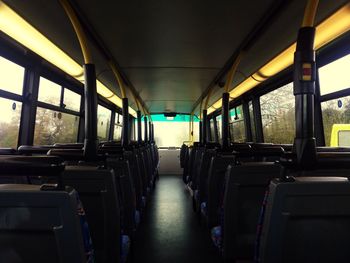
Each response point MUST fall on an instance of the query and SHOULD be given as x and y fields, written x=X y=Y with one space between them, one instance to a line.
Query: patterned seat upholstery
x=88 y=247
x=125 y=247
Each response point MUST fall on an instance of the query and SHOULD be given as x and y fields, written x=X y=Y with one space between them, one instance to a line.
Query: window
x=335 y=76
x=336 y=117
x=12 y=76
x=218 y=123
x=212 y=129
x=49 y=92
x=278 y=115
x=237 y=129
x=344 y=138
x=54 y=124
x=118 y=125
x=103 y=123
x=252 y=120
x=71 y=100
x=172 y=133
x=55 y=127
x=9 y=122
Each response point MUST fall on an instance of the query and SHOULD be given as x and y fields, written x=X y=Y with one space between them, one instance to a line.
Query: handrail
x=118 y=78
x=79 y=31
x=232 y=72
x=310 y=13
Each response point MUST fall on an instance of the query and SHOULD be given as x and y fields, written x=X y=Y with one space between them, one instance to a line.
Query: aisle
x=170 y=232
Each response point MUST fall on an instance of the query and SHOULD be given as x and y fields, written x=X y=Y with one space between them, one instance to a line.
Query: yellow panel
x=331 y=28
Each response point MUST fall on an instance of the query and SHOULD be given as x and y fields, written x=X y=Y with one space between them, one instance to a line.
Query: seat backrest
x=217 y=170
x=195 y=168
x=183 y=150
x=245 y=187
x=204 y=173
x=34 y=150
x=98 y=193
x=126 y=190
x=39 y=226
x=307 y=220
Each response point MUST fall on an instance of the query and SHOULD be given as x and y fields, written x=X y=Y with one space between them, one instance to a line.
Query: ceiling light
x=20 y=30
x=331 y=28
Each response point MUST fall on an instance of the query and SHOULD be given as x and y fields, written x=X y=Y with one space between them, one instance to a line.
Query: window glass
x=103 y=122
x=212 y=129
x=55 y=127
x=218 y=123
x=336 y=117
x=172 y=133
x=344 y=138
x=252 y=120
x=9 y=122
x=335 y=75
x=237 y=129
x=117 y=135
x=49 y=92
x=71 y=100
x=278 y=115
x=12 y=76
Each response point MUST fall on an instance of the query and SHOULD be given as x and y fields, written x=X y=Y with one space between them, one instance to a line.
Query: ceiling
x=171 y=50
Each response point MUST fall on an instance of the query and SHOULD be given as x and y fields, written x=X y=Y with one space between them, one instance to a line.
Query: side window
x=335 y=76
x=103 y=122
x=52 y=123
x=252 y=120
x=10 y=118
x=55 y=127
x=278 y=115
x=71 y=100
x=237 y=128
x=336 y=118
x=218 y=123
x=212 y=129
x=49 y=92
x=118 y=125
x=11 y=80
x=12 y=76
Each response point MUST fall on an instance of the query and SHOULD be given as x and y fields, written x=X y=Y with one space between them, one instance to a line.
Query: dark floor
x=170 y=231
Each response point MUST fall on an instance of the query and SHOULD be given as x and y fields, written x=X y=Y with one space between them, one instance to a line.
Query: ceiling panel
x=171 y=50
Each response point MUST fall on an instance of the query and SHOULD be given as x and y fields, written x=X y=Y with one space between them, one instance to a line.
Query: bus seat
x=97 y=191
x=34 y=150
x=217 y=171
x=245 y=186
x=307 y=220
x=8 y=151
x=39 y=225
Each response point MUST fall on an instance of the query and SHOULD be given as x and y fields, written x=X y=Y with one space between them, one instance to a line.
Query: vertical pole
x=304 y=91
x=91 y=141
x=150 y=131
x=146 y=128
x=216 y=133
x=153 y=132
x=225 y=120
x=204 y=127
x=139 y=130
x=200 y=132
x=125 y=128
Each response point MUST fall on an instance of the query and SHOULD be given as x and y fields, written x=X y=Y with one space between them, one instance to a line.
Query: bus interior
x=174 y=131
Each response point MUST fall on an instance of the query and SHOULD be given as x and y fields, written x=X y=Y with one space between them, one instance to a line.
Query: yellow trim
x=336 y=128
x=232 y=72
x=310 y=13
x=16 y=27
x=20 y=30
x=118 y=78
x=78 y=30
x=331 y=28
